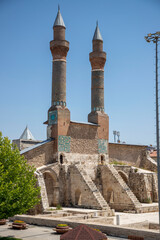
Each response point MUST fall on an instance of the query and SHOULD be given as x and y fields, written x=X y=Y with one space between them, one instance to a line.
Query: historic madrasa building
x=73 y=167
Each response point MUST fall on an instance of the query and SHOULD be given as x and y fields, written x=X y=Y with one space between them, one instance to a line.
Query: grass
x=58 y=207
x=115 y=162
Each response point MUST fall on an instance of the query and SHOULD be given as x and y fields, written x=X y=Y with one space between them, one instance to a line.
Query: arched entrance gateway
x=52 y=188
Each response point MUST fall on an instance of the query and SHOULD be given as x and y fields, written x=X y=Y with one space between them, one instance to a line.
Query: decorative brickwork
x=102 y=146
x=64 y=143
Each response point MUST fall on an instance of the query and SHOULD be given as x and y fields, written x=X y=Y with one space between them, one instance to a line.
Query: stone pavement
x=35 y=233
x=130 y=218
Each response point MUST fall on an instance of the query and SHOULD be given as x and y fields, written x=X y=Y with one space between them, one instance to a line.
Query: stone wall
x=88 y=161
x=22 y=144
x=126 y=153
x=84 y=192
x=142 y=183
x=41 y=155
x=115 y=190
x=84 y=138
x=147 y=162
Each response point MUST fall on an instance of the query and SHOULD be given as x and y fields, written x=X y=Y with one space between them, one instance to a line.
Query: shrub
x=62 y=225
x=58 y=207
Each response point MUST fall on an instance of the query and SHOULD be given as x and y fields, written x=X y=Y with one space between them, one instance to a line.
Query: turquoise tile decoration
x=64 y=143
x=102 y=146
x=53 y=117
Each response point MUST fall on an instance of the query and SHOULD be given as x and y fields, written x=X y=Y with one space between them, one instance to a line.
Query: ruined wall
x=147 y=162
x=84 y=192
x=126 y=153
x=41 y=155
x=142 y=186
x=143 y=183
x=115 y=190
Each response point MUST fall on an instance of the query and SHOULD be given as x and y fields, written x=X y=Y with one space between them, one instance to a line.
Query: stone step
x=124 y=186
x=103 y=204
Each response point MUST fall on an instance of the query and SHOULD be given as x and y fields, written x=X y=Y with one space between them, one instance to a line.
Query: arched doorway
x=52 y=188
x=61 y=159
x=102 y=160
x=78 y=197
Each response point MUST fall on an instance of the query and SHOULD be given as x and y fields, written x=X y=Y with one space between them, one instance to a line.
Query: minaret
x=97 y=59
x=59 y=48
x=58 y=114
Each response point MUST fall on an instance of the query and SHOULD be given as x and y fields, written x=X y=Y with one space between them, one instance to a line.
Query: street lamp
x=118 y=135
x=114 y=133
x=155 y=37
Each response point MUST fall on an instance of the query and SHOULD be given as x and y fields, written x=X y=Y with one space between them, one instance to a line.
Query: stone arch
x=123 y=176
x=78 y=197
x=52 y=187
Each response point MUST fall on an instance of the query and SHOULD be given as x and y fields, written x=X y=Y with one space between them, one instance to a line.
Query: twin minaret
x=59 y=48
x=97 y=58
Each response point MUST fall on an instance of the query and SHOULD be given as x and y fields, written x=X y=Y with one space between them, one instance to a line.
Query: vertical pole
x=157 y=126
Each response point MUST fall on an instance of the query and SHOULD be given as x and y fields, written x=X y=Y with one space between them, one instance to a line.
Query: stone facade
x=72 y=166
x=42 y=155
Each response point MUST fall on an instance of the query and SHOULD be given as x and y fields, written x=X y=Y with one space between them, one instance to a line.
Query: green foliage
x=135 y=170
x=18 y=191
x=62 y=225
x=147 y=200
x=58 y=207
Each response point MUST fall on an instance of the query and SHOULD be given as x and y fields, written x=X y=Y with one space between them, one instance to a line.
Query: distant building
x=26 y=140
x=153 y=155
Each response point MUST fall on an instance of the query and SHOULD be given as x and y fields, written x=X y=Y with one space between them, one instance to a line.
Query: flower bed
x=62 y=228
x=17 y=224
x=2 y=221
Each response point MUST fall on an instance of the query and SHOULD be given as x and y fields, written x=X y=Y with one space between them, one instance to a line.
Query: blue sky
x=26 y=67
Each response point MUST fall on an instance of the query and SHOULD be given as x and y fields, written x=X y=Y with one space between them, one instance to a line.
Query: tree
x=18 y=184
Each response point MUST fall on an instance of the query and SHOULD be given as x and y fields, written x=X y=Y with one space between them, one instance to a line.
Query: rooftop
x=59 y=20
x=97 y=34
x=83 y=232
x=27 y=135
x=35 y=146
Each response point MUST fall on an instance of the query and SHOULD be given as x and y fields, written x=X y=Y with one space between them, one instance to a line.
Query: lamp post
x=118 y=135
x=114 y=133
x=155 y=37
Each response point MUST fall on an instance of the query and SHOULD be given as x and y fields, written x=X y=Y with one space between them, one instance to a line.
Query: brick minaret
x=98 y=58
x=59 y=48
x=58 y=114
